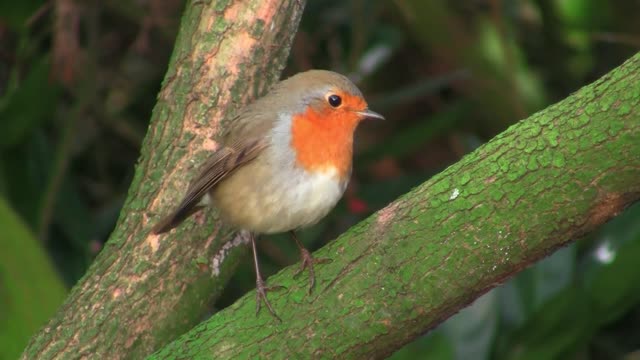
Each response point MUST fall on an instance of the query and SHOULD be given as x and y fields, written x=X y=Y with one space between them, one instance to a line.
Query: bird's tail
x=175 y=218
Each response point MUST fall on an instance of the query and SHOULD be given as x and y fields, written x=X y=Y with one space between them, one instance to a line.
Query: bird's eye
x=334 y=100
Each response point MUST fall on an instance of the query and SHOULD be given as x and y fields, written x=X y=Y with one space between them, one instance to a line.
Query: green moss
x=531 y=131
x=532 y=164
x=136 y=204
x=258 y=29
x=221 y=6
x=495 y=193
x=545 y=118
x=406 y=274
x=606 y=103
x=591 y=108
x=624 y=109
x=517 y=170
x=201 y=260
x=141 y=267
x=552 y=137
x=464 y=178
x=572 y=147
x=504 y=163
x=157 y=174
x=579 y=121
x=558 y=160
x=219 y=27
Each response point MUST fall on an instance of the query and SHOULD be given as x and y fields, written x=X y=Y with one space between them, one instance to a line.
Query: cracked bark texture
x=143 y=290
x=539 y=185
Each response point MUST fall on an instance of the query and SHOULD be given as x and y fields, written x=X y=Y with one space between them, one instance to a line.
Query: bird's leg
x=261 y=288
x=307 y=262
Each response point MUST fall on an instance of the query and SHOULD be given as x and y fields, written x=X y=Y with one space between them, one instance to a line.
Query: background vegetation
x=78 y=81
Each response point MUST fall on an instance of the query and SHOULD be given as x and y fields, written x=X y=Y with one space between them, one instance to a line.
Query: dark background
x=78 y=83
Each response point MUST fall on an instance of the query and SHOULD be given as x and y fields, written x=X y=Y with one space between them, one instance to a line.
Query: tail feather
x=175 y=219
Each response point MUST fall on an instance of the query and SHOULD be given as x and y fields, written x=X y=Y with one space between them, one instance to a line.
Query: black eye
x=334 y=100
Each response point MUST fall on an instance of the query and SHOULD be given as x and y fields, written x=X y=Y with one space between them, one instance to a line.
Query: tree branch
x=536 y=187
x=142 y=291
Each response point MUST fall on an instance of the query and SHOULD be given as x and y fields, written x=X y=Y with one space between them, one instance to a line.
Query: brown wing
x=221 y=164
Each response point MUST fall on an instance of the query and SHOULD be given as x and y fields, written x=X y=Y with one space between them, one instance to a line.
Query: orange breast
x=324 y=140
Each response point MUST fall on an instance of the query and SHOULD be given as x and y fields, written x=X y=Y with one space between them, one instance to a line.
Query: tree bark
x=539 y=185
x=143 y=290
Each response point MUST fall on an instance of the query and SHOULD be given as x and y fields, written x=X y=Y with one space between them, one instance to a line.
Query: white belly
x=311 y=200
x=281 y=204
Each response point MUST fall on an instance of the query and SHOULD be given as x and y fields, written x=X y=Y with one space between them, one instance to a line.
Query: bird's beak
x=370 y=114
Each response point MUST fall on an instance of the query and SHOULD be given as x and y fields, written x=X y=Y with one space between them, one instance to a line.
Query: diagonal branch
x=539 y=185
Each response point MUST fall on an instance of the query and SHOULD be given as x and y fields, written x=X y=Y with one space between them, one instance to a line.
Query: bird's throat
x=322 y=142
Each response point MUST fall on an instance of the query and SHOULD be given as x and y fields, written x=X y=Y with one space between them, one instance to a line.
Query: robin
x=284 y=162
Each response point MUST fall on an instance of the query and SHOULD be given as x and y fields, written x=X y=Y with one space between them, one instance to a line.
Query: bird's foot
x=261 y=296
x=307 y=262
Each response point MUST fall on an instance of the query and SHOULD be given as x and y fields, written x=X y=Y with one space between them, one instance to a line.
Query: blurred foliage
x=30 y=289
x=78 y=81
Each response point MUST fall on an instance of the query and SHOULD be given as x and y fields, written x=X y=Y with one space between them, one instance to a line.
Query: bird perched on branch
x=284 y=162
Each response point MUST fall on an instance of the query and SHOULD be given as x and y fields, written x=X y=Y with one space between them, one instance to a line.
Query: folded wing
x=222 y=163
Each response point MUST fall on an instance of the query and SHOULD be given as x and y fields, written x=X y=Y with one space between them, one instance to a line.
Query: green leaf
x=472 y=330
x=26 y=168
x=73 y=215
x=17 y=13
x=26 y=106
x=30 y=290
x=612 y=274
x=434 y=346
x=559 y=326
x=553 y=274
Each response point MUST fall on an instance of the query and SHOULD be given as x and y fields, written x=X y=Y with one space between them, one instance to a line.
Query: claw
x=261 y=296
x=307 y=262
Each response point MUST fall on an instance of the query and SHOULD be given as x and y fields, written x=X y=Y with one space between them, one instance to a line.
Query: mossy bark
x=539 y=185
x=143 y=290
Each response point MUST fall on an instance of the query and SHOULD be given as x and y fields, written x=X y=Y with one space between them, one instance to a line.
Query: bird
x=284 y=162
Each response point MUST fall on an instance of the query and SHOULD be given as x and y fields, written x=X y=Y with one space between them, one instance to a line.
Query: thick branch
x=539 y=185
x=143 y=290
